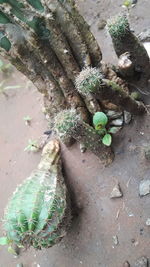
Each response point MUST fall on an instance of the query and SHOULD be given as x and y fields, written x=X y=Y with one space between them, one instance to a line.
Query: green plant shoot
x=32 y=146
x=100 y=120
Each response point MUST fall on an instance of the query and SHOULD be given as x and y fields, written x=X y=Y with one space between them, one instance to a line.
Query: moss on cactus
x=88 y=80
x=38 y=213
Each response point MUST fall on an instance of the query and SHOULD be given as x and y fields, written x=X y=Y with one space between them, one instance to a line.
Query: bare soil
x=89 y=242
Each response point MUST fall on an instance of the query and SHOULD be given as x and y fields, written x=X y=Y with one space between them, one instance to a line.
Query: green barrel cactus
x=39 y=213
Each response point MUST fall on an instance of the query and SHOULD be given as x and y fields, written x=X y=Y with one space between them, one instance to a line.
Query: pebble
x=126 y=264
x=127 y=117
x=133 y=2
x=141 y=262
x=117 y=122
x=144 y=187
x=147 y=47
x=115 y=129
x=116 y=192
x=19 y=265
x=112 y=114
x=148 y=222
x=82 y=148
x=115 y=240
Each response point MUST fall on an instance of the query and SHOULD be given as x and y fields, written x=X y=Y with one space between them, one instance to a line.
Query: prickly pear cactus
x=38 y=213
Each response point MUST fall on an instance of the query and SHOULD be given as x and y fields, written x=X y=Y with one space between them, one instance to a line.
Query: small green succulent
x=100 y=120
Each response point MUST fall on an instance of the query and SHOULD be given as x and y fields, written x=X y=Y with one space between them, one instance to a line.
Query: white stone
x=144 y=187
x=116 y=192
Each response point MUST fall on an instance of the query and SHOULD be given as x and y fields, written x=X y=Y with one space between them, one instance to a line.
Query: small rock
x=148 y=222
x=147 y=47
x=82 y=148
x=112 y=114
x=126 y=264
x=133 y=2
x=19 y=265
x=115 y=240
x=115 y=129
x=116 y=192
x=144 y=187
x=47 y=117
x=117 y=122
x=147 y=152
x=127 y=117
x=141 y=262
x=136 y=243
x=101 y=24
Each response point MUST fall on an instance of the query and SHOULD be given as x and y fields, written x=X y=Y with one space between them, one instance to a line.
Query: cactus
x=69 y=124
x=86 y=83
x=118 y=27
x=38 y=213
x=90 y=81
x=125 y=41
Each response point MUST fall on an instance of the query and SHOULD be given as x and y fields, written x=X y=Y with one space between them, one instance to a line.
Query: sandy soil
x=89 y=242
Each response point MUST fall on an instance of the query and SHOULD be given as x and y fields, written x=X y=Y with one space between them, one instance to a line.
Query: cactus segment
x=38 y=213
x=118 y=26
x=88 y=80
x=69 y=123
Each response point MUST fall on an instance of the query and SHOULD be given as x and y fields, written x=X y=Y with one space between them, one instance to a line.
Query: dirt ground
x=89 y=242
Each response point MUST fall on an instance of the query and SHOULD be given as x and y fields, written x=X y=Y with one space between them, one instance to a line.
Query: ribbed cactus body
x=39 y=212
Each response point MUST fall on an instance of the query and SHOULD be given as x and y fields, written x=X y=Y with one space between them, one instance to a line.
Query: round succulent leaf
x=107 y=139
x=100 y=118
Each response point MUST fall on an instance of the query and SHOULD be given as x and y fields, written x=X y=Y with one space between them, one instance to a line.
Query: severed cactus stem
x=68 y=123
x=39 y=213
x=125 y=41
x=91 y=81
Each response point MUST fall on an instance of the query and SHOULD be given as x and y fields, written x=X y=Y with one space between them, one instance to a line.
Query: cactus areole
x=38 y=213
